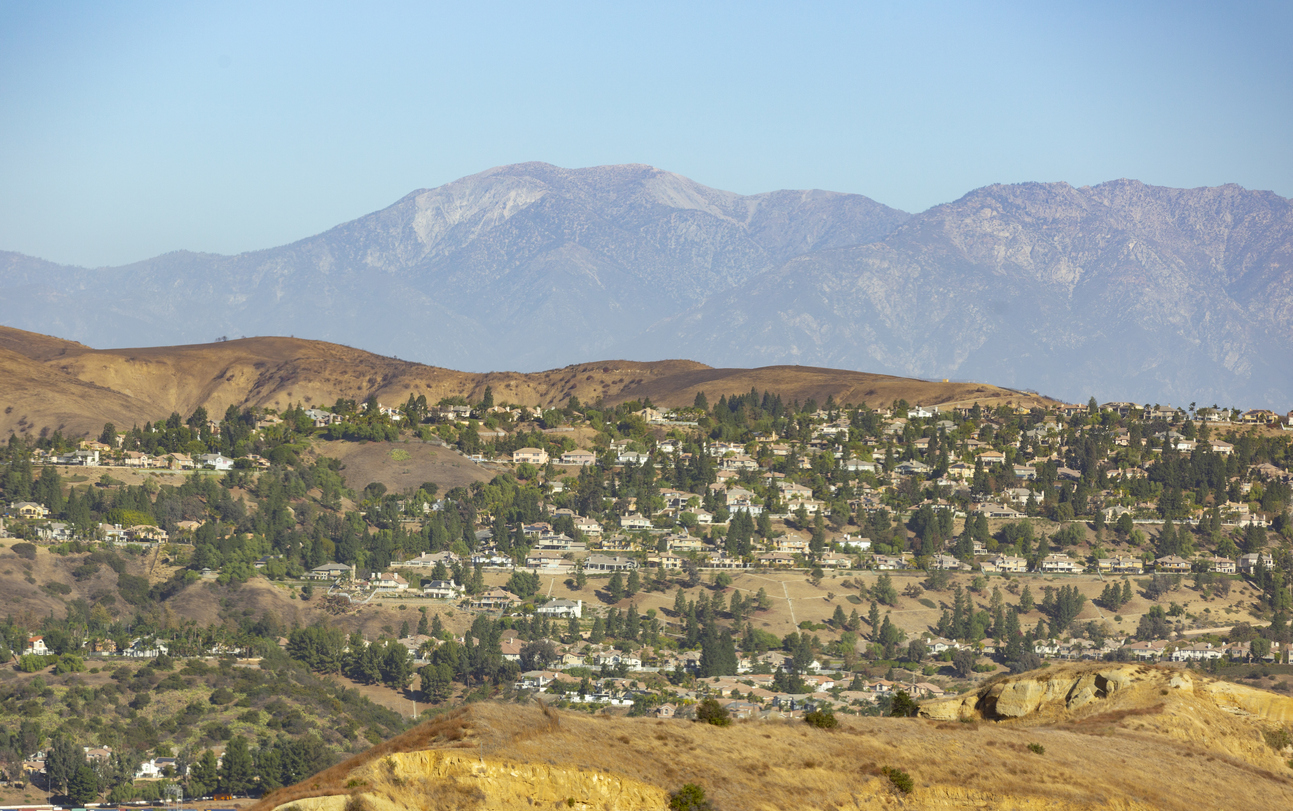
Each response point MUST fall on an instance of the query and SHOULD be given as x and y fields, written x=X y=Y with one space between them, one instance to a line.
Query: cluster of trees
x=326 y=649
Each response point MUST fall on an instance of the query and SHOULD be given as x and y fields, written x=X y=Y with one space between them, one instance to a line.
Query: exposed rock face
x=1137 y=743
x=451 y=780
x=1076 y=691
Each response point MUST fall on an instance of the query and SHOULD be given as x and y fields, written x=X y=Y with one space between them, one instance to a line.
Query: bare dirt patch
x=403 y=466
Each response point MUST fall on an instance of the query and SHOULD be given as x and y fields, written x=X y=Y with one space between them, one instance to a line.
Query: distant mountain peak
x=1124 y=289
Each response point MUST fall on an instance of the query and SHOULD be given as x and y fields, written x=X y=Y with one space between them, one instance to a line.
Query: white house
x=214 y=461
x=562 y=608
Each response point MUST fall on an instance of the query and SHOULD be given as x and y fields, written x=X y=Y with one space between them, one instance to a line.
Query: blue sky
x=132 y=129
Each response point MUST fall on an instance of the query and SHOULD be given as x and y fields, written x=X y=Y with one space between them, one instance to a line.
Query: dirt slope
x=1137 y=756
x=403 y=465
x=61 y=384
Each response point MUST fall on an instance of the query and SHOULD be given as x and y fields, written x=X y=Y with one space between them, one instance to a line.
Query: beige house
x=578 y=457
x=534 y=456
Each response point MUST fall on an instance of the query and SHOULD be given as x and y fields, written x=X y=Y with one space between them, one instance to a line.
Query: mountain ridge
x=1122 y=290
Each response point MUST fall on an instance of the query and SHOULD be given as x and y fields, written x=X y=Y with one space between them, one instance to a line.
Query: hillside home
x=1060 y=564
x=533 y=456
x=777 y=559
x=330 y=571
x=492 y=600
x=428 y=560
x=1009 y=564
x=947 y=563
x=634 y=521
x=547 y=559
x=609 y=563
x=890 y=562
x=578 y=457
x=563 y=609
x=1120 y=564
x=1248 y=563
x=214 y=461
x=1200 y=652
x=29 y=510
x=1222 y=565
x=388 y=581
x=1172 y=564
x=180 y=461
x=441 y=589
x=991 y=510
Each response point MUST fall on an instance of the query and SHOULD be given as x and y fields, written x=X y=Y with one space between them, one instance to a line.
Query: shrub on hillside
x=690 y=797
x=822 y=719
x=903 y=706
x=711 y=712
x=900 y=779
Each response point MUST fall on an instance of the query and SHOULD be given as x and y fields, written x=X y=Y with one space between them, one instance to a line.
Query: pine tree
x=631 y=623
x=1013 y=638
x=236 y=768
x=838 y=618
x=1026 y=603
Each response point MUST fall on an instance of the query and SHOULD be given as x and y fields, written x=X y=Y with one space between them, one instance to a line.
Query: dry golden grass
x=1130 y=758
x=73 y=387
x=375 y=462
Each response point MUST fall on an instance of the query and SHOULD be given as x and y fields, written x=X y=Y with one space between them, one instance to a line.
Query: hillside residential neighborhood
x=991 y=509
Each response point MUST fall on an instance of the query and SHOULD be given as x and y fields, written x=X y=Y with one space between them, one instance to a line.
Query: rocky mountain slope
x=53 y=384
x=519 y=267
x=1161 y=741
x=1122 y=290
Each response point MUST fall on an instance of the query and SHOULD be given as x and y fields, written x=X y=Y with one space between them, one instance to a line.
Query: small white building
x=562 y=608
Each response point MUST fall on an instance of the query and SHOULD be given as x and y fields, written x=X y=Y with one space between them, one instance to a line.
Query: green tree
x=1026 y=602
x=711 y=712
x=884 y=590
x=62 y=761
x=236 y=768
x=203 y=775
x=84 y=785
x=615 y=588
x=963 y=662
x=903 y=706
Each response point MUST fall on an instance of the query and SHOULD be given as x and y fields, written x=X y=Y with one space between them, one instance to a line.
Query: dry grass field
x=404 y=465
x=1149 y=749
x=71 y=387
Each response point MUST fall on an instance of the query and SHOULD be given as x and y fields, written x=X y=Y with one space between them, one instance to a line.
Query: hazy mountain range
x=1121 y=290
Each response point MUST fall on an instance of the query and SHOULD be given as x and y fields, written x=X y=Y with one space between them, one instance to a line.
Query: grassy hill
x=71 y=387
x=1156 y=741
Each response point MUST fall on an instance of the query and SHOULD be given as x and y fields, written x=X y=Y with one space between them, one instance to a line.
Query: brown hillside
x=60 y=384
x=34 y=397
x=1161 y=744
